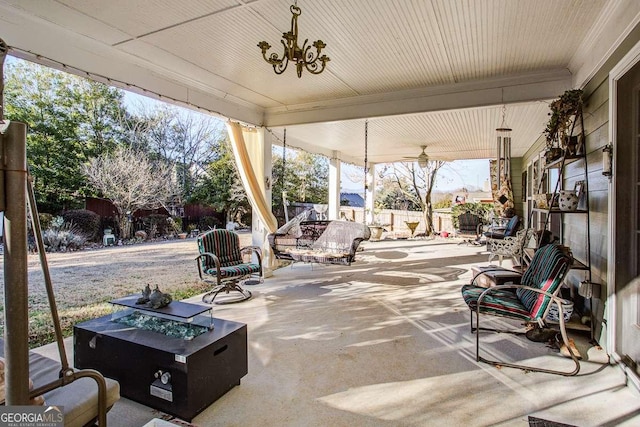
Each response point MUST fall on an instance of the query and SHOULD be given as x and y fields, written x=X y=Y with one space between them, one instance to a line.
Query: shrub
x=156 y=225
x=62 y=237
x=141 y=235
x=481 y=209
x=45 y=220
x=174 y=224
x=208 y=222
x=442 y=203
x=84 y=222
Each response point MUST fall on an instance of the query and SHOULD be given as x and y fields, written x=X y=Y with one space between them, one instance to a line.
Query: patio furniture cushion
x=500 y=302
x=546 y=272
x=502 y=232
x=234 y=270
x=78 y=398
x=224 y=244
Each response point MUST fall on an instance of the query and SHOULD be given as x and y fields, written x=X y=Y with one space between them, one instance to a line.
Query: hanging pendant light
x=303 y=56
x=423 y=158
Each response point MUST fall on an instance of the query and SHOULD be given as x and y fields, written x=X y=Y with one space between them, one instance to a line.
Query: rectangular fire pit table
x=176 y=375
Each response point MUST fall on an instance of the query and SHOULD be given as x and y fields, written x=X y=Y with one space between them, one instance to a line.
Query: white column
x=334 y=187
x=258 y=230
x=370 y=192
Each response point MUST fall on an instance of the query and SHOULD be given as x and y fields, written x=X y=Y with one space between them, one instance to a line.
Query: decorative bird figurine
x=146 y=292
x=159 y=299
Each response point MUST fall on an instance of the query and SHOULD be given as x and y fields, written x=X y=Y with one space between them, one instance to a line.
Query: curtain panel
x=248 y=152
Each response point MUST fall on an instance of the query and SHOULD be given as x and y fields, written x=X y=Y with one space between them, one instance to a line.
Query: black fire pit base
x=176 y=376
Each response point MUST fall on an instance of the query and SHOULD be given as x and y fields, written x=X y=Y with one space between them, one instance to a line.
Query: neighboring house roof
x=474 y=196
x=354 y=199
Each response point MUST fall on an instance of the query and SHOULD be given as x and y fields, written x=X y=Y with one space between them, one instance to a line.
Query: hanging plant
x=563 y=112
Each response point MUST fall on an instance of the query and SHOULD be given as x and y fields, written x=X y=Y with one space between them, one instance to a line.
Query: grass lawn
x=85 y=281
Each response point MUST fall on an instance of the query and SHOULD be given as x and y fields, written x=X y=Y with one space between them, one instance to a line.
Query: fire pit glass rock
x=171 y=328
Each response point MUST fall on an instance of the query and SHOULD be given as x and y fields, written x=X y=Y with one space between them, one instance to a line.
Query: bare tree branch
x=131 y=182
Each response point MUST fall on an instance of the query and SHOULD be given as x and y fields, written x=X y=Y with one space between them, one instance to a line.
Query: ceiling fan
x=422 y=158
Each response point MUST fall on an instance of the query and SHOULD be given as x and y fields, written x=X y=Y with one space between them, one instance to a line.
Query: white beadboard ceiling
x=423 y=72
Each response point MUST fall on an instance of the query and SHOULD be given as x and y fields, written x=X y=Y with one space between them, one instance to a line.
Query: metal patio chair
x=221 y=262
x=528 y=301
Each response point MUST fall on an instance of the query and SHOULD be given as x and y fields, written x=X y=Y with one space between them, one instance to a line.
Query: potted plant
x=376 y=227
x=564 y=111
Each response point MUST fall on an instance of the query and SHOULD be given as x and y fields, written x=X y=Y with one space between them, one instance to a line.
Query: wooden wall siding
x=516 y=182
x=538 y=146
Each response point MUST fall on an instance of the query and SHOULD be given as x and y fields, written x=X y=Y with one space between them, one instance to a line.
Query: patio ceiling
x=424 y=72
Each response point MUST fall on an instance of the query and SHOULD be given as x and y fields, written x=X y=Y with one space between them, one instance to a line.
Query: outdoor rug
x=539 y=422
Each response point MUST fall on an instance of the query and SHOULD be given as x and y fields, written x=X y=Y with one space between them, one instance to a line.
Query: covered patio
x=386 y=342
x=413 y=73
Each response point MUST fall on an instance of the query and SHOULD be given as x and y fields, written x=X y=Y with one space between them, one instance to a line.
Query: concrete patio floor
x=386 y=342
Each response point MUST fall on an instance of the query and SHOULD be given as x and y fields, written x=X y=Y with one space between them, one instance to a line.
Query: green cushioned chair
x=528 y=301
x=221 y=262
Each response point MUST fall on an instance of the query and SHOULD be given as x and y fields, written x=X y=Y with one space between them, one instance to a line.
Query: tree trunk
x=124 y=225
x=428 y=216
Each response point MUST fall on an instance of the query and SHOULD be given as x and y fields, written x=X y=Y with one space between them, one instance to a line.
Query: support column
x=258 y=230
x=334 y=187
x=16 y=347
x=370 y=193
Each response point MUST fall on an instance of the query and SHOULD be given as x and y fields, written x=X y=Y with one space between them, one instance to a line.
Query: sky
x=452 y=176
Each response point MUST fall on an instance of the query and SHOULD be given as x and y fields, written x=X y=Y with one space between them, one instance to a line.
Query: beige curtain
x=248 y=150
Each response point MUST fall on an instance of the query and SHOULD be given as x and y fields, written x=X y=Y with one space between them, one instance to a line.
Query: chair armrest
x=254 y=249
x=354 y=245
x=213 y=257
x=498 y=244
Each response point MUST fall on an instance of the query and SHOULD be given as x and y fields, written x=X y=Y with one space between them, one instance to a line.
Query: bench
x=324 y=242
x=79 y=398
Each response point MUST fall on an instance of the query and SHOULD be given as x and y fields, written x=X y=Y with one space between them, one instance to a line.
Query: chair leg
x=234 y=286
x=227 y=287
x=211 y=295
x=565 y=339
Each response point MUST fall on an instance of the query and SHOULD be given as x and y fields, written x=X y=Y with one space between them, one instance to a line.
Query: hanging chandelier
x=303 y=56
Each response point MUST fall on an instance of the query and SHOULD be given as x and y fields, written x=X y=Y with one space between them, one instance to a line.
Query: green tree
x=305 y=177
x=389 y=195
x=220 y=185
x=70 y=120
